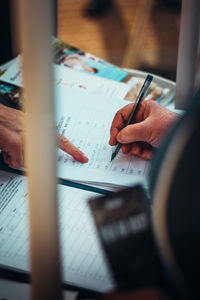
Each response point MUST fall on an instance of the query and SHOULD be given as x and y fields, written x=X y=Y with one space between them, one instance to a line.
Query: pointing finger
x=68 y=147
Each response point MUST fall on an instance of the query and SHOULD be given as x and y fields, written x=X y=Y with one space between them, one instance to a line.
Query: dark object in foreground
x=124 y=226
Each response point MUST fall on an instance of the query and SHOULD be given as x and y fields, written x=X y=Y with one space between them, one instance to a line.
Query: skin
x=89 y=69
x=11 y=139
x=140 y=138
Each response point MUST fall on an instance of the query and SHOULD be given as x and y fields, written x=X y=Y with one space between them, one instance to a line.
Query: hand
x=11 y=133
x=152 y=121
x=11 y=139
x=65 y=145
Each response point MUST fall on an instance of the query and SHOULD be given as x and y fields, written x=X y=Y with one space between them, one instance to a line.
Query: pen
x=139 y=99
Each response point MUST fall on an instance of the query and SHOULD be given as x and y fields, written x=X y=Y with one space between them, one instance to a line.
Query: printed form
x=83 y=264
x=85 y=119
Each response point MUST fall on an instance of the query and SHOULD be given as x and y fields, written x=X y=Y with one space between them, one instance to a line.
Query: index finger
x=119 y=122
x=68 y=147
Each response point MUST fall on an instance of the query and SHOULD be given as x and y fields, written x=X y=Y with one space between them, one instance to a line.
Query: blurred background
x=139 y=34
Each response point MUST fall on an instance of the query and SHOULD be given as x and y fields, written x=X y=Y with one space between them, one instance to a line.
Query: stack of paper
x=83 y=264
x=70 y=78
x=85 y=107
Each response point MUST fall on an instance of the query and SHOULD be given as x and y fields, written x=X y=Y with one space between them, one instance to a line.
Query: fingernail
x=85 y=158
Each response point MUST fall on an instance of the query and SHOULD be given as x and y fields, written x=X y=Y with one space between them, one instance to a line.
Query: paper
x=82 y=259
x=85 y=119
x=13 y=290
x=74 y=79
x=71 y=78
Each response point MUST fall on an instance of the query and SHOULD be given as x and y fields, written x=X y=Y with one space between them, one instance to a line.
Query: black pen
x=139 y=99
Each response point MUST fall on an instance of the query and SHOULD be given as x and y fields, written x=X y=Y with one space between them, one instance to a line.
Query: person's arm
x=11 y=139
x=152 y=121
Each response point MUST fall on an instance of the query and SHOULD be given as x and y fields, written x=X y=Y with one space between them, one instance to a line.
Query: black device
x=124 y=225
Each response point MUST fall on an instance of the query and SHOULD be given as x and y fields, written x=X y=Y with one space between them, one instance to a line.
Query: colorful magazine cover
x=72 y=57
x=11 y=94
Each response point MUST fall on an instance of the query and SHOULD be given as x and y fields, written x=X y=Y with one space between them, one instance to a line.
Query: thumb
x=133 y=133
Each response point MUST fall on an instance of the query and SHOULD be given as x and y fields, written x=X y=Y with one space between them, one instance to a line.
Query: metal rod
x=35 y=22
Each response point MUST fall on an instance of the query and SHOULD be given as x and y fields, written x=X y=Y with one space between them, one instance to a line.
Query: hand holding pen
x=140 y=138
x=133 y=113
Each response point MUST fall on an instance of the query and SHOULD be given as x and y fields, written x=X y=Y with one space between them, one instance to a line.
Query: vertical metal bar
x=40 y=147
x=187 y=52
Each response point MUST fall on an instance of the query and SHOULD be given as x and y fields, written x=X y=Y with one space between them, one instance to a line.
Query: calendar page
x=85 y=119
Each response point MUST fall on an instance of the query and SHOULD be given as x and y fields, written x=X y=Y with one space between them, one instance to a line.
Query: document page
x=74 y=79
x=85 y=119
x=14 y=290
x=83 y=263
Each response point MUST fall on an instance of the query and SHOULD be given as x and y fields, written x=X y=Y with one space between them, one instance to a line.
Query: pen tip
x=112 y=156
x=149 y=77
